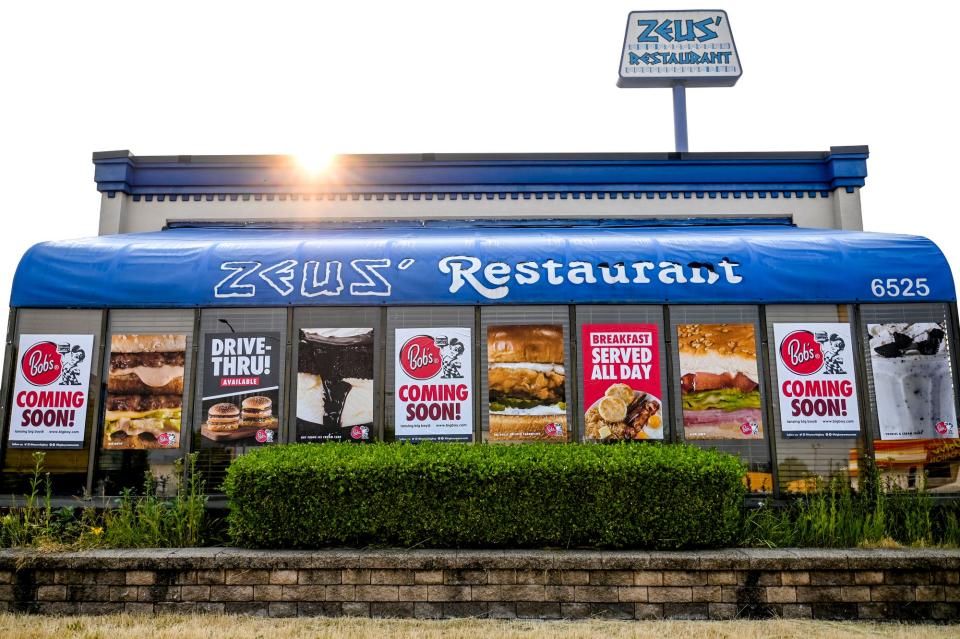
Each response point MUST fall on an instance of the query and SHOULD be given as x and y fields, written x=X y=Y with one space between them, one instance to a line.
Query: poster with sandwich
x=241 y=389
x=335 y=384
x=526 y=381
x=621 y=383
x=719 y=381
x=144 y=398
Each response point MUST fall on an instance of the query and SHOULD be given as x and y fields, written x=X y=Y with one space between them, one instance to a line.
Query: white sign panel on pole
x=434 y=377
x=662 y=48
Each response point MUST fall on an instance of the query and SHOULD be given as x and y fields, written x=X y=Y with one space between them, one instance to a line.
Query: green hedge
x=457 y=495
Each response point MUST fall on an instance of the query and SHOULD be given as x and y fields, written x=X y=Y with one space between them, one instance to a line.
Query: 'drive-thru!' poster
x=241 y=389
x=51 y=390
x=434 y=377
x=816 y=380
x=621 y=382
x=719 y=381
x=335 y=385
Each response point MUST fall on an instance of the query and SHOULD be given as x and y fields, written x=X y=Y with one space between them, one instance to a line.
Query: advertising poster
x=434 y=376
x=335 y=385
x=241 y=389
x=50 y=391
x=719 y=381
x=816 y=380
x=526 y=380
x=912 y=381
x=144 y=392
x=621 y=382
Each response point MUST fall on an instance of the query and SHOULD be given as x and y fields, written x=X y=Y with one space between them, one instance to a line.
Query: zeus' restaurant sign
x=692 y=47
x=399 y=265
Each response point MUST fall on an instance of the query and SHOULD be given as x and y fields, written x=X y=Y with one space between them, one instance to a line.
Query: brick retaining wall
x=847 y=584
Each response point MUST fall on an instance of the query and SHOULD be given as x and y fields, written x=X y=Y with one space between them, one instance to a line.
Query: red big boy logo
x=40 y=364
x=420 y=357
x=801 y=353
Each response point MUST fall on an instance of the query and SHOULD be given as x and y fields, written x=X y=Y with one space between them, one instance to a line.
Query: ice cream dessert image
x=912 y=380
x=719 y=385
x=335 y=377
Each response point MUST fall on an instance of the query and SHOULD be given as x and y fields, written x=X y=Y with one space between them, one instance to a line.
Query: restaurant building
x=727 y=300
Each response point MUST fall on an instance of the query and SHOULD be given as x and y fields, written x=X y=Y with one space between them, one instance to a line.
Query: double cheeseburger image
x=144 y=391
x=526 y=380
x=255 y=412
x=718 y=381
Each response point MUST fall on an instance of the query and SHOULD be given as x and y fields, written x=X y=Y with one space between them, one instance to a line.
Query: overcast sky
x=520 y=76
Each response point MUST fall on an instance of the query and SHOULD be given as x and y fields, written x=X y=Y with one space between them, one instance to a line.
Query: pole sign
x=694 y=48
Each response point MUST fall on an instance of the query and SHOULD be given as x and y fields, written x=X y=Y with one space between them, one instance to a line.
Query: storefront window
x=56 y=351
x=718 y=389
x=337 y=356
x=429 y=379
x=147 y=371
x=911 y=382
x=816 y=417
x=238 y=403
x=525 y=374
x=622 y=374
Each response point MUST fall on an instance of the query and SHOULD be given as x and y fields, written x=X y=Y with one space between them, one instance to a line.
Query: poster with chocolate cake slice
x=241 y=389
x=144 y=392
x=335 y=384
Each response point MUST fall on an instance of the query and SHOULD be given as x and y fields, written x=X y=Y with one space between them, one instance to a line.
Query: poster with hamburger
x=621 y=383
x=526 y=381
x=241 y=389
x=144 y=392
x=719 y=388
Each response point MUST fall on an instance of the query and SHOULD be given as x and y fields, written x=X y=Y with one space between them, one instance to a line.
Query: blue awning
x=462 y=263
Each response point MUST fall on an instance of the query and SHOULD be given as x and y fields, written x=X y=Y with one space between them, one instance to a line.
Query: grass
x=150 y=520
x=210 y=626
x=880 y=515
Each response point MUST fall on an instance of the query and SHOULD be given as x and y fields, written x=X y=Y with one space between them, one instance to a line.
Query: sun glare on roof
x=315 y=163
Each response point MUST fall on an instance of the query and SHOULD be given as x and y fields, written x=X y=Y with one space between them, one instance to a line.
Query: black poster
x=241 y=389
x=335 y=384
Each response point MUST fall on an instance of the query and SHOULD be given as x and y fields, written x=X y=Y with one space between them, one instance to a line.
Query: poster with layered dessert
x=719 y=381
x=335 y=385
x=621 y=382
x=433 y=380
x=143 y=406
x=816 y=381
x=51 y=390
x=241 y=389
x=526 y=382
x=912 y=381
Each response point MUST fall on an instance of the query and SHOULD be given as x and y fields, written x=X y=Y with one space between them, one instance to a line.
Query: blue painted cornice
x=490 y=175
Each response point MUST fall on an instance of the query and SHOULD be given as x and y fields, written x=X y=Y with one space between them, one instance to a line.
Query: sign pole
x=680 y=116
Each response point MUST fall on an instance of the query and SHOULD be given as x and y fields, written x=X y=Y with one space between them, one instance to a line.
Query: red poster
x=621 y=382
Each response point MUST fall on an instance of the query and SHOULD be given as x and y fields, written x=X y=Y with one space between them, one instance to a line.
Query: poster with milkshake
x=913 y=383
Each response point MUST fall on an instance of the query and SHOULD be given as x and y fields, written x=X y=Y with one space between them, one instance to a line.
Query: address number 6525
x=900 y=287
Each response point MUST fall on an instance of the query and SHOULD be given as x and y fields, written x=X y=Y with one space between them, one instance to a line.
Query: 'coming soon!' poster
x=434 y=376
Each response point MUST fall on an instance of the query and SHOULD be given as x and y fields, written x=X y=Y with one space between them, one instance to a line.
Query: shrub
x=442 y=495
